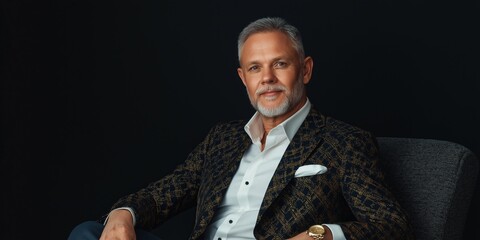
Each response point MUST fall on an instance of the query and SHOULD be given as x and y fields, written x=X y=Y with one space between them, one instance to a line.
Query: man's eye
x=253 y=68
x=280 y=64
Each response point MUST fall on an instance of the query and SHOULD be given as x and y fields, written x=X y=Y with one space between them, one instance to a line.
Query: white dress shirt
x=237 y=214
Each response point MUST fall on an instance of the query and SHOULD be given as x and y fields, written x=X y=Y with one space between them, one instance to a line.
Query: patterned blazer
x=352 y=193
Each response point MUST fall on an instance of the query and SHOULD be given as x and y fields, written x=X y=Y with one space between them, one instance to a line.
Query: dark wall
x=100 y=98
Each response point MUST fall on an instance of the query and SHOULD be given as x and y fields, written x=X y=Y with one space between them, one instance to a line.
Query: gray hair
x=271 y=25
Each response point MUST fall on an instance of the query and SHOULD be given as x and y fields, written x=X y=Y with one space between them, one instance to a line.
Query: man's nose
x=268 y=76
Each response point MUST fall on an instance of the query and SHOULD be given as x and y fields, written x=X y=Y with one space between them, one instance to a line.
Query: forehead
x=267 y=44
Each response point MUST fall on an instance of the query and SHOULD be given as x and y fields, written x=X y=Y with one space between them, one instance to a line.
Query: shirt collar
x=254 y=127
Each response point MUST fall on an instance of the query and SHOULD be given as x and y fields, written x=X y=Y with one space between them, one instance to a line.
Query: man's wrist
x=132 y=213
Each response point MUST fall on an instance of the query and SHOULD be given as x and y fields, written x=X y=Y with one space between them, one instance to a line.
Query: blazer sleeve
x=173 y=193
x=377 y=212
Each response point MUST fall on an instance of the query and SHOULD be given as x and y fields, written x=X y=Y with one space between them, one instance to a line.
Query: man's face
x=273 y=73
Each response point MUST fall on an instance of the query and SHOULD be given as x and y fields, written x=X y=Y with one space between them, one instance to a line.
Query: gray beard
x=273 y=112
x=292 y=99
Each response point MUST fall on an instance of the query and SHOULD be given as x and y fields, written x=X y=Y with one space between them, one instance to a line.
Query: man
x=289 y=172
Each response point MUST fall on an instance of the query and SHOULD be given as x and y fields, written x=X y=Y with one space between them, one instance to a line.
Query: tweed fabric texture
x=352 y=193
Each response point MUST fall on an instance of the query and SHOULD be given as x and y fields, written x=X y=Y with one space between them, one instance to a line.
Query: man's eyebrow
x=272 y=60
x=253 y=62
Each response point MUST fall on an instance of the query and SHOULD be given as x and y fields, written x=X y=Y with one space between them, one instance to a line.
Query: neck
x=264 y=139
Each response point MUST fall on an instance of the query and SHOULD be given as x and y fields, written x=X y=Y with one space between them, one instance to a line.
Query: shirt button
x=230 y=221
x=246 y=183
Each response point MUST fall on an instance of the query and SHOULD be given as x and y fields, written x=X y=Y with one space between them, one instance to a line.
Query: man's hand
x=119 y=226
x=304 y=236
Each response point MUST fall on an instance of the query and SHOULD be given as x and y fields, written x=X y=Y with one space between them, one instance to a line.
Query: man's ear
x=240 y=74
x=307 y=69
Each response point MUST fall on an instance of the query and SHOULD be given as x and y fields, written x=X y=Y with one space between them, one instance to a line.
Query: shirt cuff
x=123 y=208
x=337 y=232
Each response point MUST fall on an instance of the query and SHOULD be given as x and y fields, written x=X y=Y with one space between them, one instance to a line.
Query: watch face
x=317 y=229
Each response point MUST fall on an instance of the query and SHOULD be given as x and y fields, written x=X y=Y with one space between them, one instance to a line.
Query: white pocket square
x=310 y=170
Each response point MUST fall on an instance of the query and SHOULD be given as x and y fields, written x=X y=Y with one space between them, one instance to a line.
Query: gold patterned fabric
x=352 y=193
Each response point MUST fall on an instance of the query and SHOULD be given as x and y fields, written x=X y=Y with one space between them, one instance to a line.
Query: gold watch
x=316 y=232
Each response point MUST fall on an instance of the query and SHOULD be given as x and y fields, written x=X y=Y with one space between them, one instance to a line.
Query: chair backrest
x=433 y=180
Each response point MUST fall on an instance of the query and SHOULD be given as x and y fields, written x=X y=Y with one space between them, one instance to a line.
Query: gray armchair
x=434 y=180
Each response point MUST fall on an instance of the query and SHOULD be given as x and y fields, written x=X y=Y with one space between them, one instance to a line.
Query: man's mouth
x=271 y=93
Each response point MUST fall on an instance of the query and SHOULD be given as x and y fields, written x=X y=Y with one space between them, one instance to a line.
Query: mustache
x=270 y=88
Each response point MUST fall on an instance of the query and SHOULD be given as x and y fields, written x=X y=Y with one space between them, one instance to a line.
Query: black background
x=100 y=98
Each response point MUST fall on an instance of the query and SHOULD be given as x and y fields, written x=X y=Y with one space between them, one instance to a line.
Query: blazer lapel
x=304 y=142
x=232 y=161
x=219 y=182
